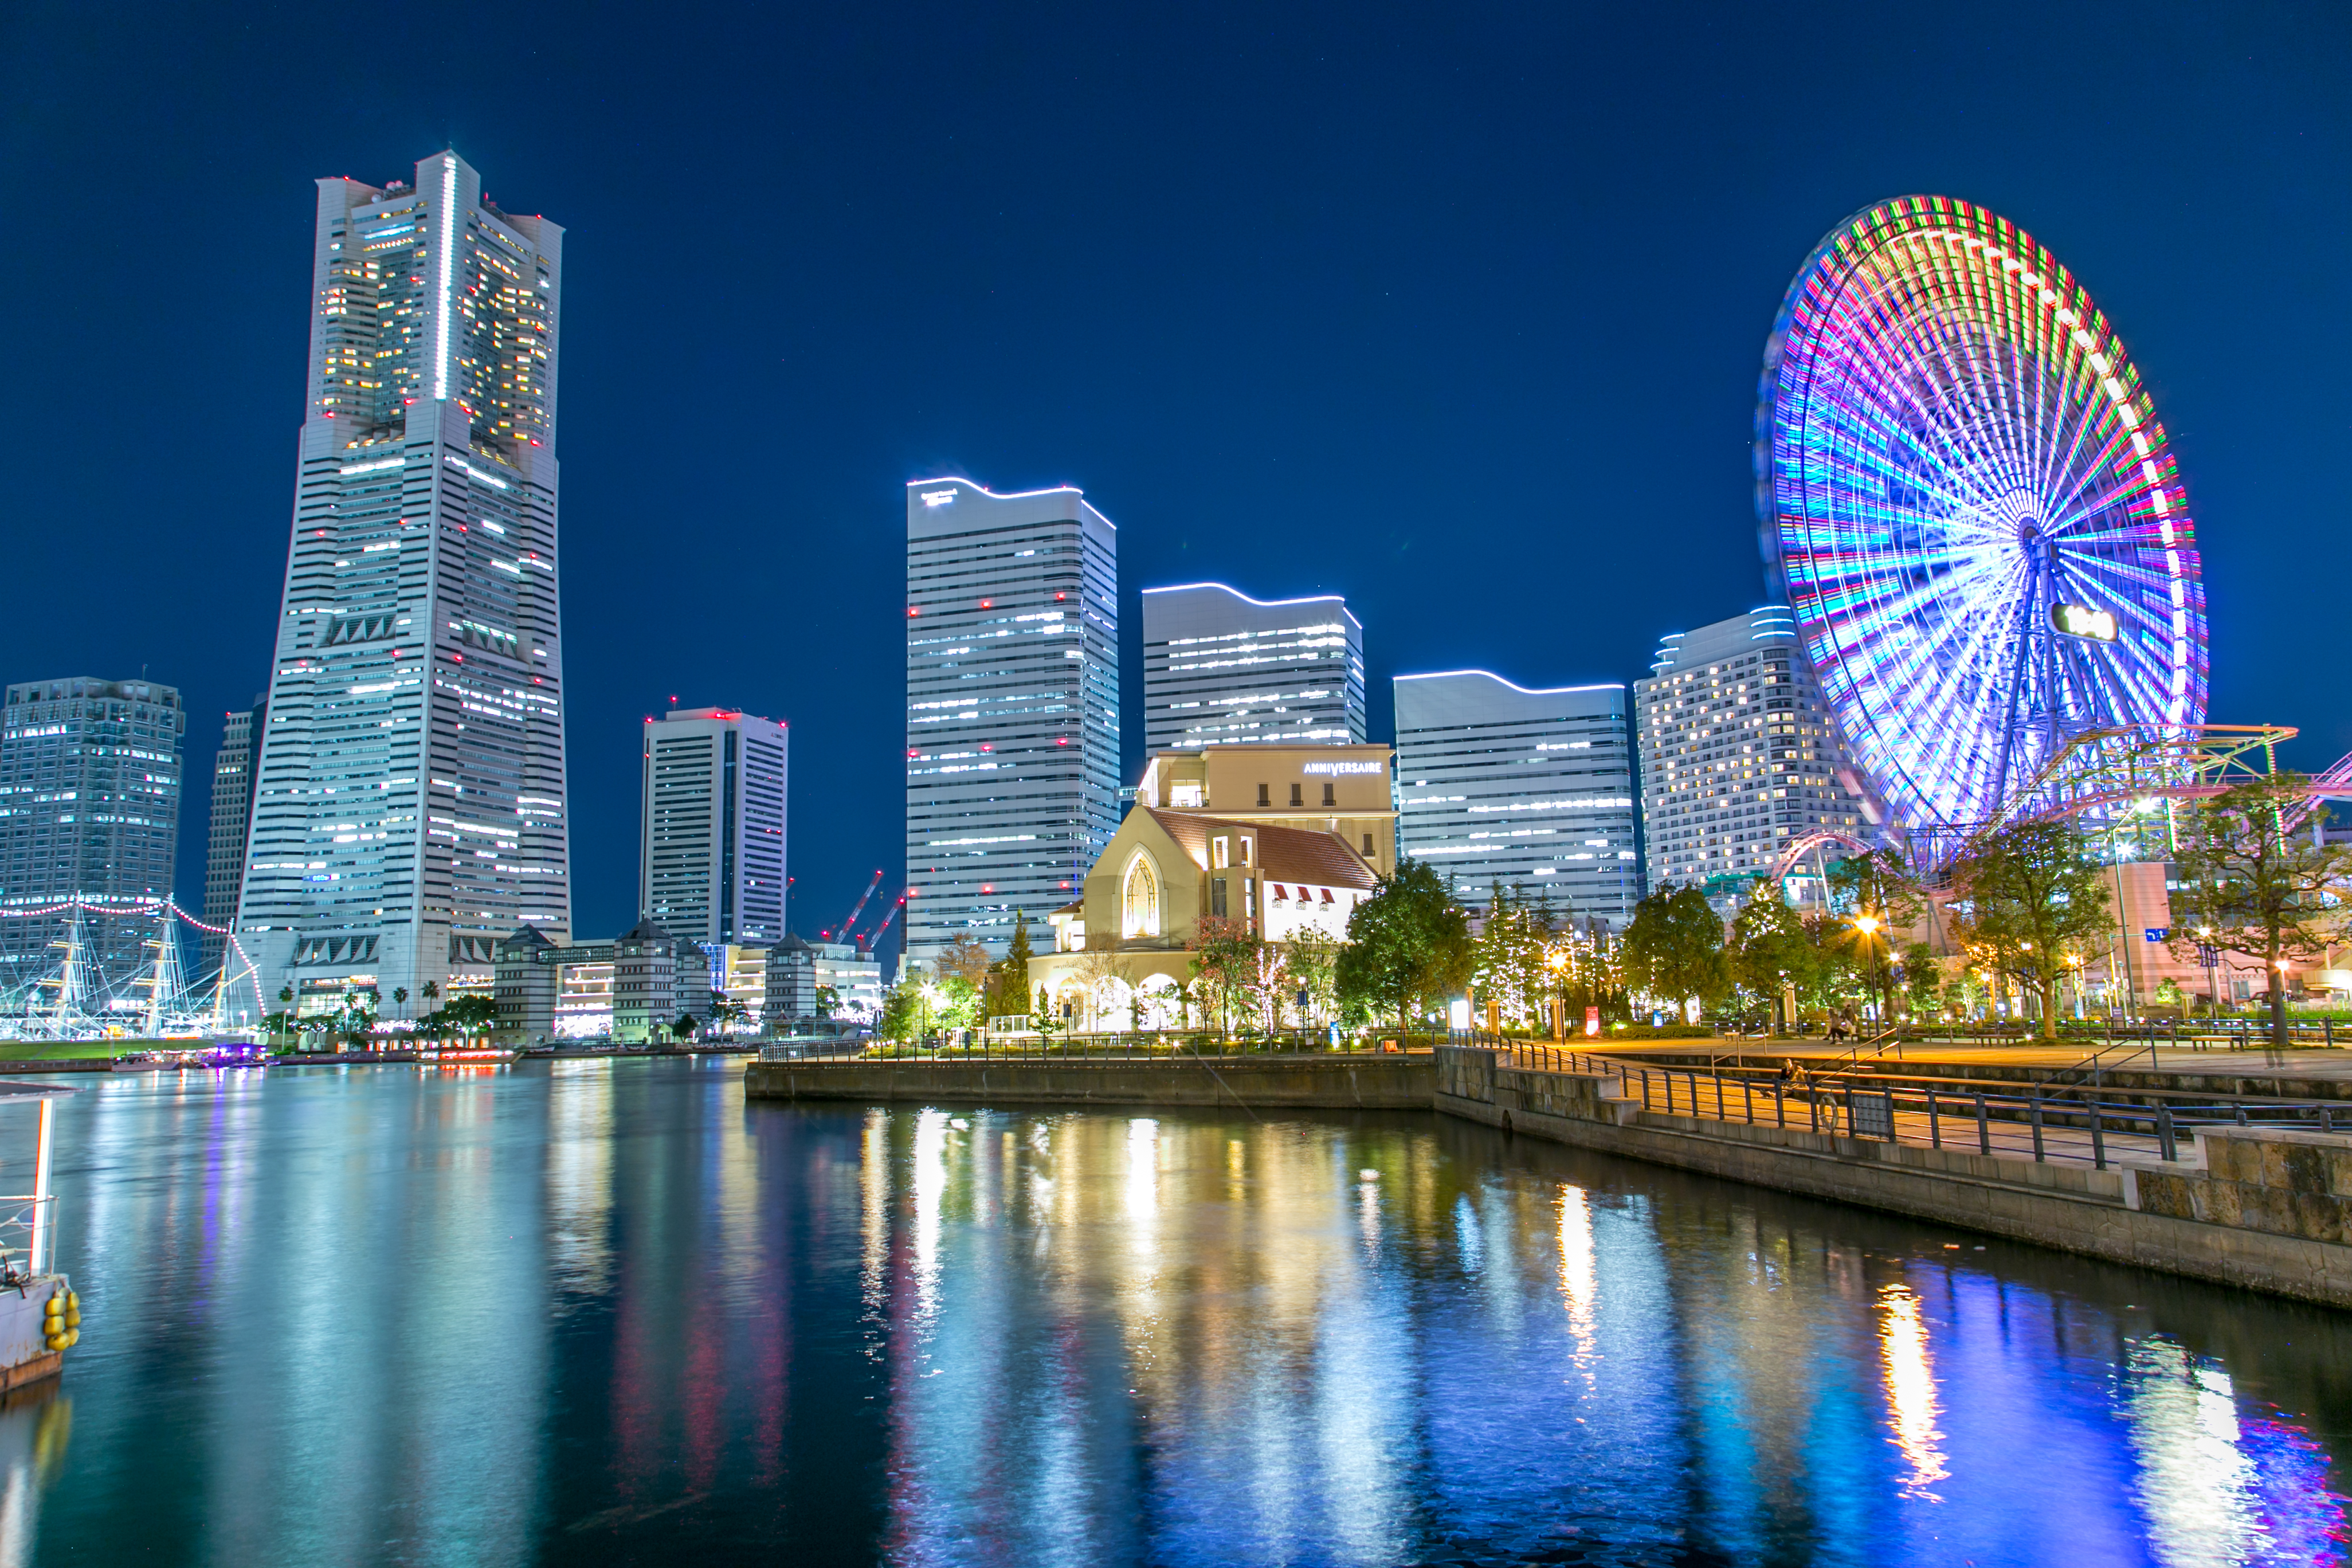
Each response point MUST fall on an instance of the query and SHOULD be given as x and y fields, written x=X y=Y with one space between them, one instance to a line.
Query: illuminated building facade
x=89 y=809
x=1739 y=753
x=1221 y=669
x=231 y=826
x=1532 y=790
x=409 y=794
x=1012 y=708
x=710 y=867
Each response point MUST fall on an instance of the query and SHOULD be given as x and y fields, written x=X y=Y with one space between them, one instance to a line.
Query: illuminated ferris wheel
x=1969 y=502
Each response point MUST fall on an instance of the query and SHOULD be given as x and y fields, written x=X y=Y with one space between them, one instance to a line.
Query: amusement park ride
x=1966 y=497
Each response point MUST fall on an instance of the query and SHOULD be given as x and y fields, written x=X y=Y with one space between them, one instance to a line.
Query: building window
x=1330 y=793
x=1220 y=850
x=1217 y=897
x=1368 y=846
x=1245 y=849
x=1298 y=795
x=1139 y=902
x=1265 y=795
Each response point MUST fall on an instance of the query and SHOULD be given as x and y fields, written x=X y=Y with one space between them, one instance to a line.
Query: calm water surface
x=612 y=1313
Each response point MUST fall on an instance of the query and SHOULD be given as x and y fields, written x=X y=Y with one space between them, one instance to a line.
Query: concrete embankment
x=1400 y=1081
x=2269 y=1211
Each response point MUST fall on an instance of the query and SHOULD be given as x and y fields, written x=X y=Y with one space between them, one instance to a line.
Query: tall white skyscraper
x=1221 y=668
x=1533 y=790
x=710 y=867
x=1740 y=757
x=1012 y=708
x=409 y=800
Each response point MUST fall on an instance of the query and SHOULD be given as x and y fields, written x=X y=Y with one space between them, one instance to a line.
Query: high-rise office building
x=1011 y=707
x=710 y=865
x=1221 y=668
x=1740 y=755
x=1532 y=790
x=409 y=797
x=232 y=824
x=89 y=811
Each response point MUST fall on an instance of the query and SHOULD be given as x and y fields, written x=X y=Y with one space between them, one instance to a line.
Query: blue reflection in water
x=604 y=1313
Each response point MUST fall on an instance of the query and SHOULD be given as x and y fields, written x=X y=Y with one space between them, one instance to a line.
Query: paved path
x=2218 y=1061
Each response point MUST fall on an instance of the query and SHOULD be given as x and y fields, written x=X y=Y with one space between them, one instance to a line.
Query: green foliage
x=827 y=999
x=958 y=1002
x=469 y=1014
x=1674 y=949
x=1771 y=953
x=1512 y=958
x=1312 y=961
x=1881 y=901
x=684 y=1026
x=965 y=959
x=1408 y=943
x=2032 y=903
x=906 y=1012
x=2250 y=886
x=1923 y=981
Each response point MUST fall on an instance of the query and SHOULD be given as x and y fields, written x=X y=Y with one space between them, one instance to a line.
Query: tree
x=684 y=1027
x=1513 y=950
x=286 y=995
x=470 y=1013
x=906 y=1012
x=1408 y=942
x=399 y=997
x=2030 y=901
x=1923 y=980
x=1773 y=954
x=2250 y=886
x=958 y=1002
x=1313 y=962
x=1008 y=980
x=1674 y=949
x=1880 y=899
x=1224 y=963
x=965 y=958
x=827 y=998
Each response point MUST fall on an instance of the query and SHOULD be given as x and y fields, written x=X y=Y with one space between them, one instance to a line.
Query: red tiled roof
x=1284 y=853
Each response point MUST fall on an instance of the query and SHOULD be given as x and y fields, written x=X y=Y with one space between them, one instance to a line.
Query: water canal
x=610 y=1313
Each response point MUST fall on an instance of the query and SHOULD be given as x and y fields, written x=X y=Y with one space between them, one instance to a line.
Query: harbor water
x=601 y=1313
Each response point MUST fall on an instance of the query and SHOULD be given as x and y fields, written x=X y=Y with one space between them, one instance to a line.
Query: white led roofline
x=1337 y=599
x=983 y=490
x=1524 y=691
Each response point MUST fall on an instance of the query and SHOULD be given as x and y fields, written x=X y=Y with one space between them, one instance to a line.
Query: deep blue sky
x=1455 y=309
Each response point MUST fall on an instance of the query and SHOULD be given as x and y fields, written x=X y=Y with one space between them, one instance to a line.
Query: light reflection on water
x=610 y=1313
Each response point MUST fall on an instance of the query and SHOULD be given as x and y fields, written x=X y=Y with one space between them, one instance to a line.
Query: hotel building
x=1011 y=707
x=1221 y=669
x=1740 y=757
x=90 y=810
x=710 y=864
x=1532 y=790
x=408 y=809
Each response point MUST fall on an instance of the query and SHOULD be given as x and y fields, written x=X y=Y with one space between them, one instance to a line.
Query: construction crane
x=858 y=908
x=865 y=943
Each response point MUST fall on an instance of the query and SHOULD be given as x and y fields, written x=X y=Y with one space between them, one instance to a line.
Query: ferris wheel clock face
x=1970 y=505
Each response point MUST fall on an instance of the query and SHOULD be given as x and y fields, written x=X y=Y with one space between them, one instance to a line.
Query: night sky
x=1457 y=310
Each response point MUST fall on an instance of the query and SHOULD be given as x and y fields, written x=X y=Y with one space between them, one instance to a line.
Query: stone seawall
x=2099 y=1212
x=1389 y=1082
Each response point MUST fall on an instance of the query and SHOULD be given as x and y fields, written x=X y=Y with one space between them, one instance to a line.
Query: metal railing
x=2048 y=1124
x=28 y=1237
x=1169 y=1045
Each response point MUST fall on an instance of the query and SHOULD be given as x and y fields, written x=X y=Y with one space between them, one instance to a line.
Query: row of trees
x=2028 y=908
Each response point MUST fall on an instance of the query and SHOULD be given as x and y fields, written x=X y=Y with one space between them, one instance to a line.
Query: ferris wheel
x=1968 y=500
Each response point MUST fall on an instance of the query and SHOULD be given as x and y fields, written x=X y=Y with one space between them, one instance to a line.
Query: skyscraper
x=1740 y=755
x=90 y=810
x=409 y=799
x=1011 y=707
x=1223 y=669
x=232 y=824
x=710 y=867
x=1530 y=789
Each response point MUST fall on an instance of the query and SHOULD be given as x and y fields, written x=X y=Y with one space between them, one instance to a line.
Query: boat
x=40 y=1316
